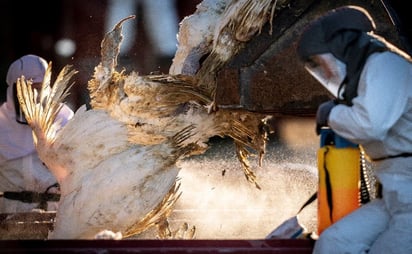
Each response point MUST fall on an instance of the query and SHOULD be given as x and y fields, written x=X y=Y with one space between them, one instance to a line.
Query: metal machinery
x=266 y=76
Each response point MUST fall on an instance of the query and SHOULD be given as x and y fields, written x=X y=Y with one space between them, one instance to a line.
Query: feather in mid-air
x=117 y=163
x=156 y=107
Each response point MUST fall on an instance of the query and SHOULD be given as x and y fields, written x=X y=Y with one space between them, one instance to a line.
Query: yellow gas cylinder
x=339 y=178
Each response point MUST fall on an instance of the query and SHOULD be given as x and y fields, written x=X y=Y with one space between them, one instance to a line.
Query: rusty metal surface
x=267 y=76
x=30 y=225
x=158 y=246
x=27 y=233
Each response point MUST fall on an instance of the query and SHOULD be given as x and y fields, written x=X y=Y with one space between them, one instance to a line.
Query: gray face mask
x=329 y=71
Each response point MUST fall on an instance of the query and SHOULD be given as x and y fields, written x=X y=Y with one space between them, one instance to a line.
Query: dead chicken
x=106 y=181
x=156 y=107
x=117 y=162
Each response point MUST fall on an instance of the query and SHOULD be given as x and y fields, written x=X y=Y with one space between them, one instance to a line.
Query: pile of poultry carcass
x=116 y=163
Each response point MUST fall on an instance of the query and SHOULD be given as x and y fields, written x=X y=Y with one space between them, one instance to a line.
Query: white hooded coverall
x=380 y=120
x=20 y=167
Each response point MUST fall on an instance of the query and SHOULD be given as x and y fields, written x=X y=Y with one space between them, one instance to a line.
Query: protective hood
x=33 y=68
x=16 y=139
x=346 y=33
x=317 y=36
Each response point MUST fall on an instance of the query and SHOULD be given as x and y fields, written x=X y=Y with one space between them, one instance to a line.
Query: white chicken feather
x=156 y=107
x=218 y=41
x=106 y=181
x=117 y=162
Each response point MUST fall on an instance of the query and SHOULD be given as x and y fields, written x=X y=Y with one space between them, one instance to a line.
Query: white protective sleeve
x=380 y=116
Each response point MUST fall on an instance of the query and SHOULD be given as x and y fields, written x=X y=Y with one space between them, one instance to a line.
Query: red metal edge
x=284 y=246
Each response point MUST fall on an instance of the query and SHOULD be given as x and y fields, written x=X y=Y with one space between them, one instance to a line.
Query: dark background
x=34 y=27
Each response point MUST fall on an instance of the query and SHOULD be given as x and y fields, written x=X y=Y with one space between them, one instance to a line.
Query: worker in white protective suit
x=372 y=82
x=25 y=183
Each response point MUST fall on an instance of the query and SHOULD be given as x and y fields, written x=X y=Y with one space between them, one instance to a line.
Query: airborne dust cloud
x=217 y=199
